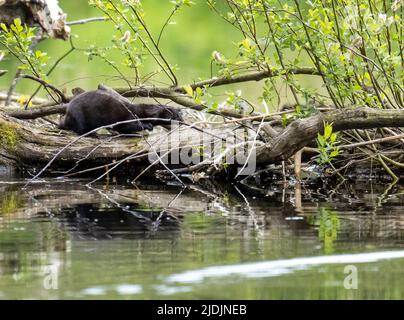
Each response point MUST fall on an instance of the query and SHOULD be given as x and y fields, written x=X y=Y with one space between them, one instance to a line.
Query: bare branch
x=84 y=21
x=47 y=85
x=38 y=112
x=176 y=94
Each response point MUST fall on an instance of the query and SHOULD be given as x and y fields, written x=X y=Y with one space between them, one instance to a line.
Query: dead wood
x=50 y=18
x=27 y=146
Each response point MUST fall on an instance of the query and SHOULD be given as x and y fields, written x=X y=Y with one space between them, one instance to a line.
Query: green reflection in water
x=67 y=235
x=328 y=224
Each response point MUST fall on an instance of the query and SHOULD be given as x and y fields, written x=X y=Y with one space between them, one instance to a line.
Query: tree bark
x=301 y=132
x=26 y=146
x=49 y=17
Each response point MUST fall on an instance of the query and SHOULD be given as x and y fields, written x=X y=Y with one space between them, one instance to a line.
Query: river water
x=62 y=240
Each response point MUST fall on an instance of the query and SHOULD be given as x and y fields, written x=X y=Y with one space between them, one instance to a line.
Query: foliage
x=196 y=94
x=355 y=46
x=17 y=39
x=327 y=145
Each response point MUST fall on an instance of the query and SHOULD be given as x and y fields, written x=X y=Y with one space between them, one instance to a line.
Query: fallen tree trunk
x=300 y=132
x=27 y=146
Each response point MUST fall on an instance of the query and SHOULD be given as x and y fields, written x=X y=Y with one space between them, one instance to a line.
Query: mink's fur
x=93 y=109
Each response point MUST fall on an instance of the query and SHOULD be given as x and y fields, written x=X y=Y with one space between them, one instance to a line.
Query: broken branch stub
x=45 y=13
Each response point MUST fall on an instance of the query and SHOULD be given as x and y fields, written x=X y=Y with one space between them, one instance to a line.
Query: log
x=27 y=146
x=301 y=132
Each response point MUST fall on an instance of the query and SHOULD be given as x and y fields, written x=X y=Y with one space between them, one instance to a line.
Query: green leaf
x=188 y=89
x=246 y=43
x=327 y=131
x=213 y=107
x=284 y=120
x=334 y=153
x=17 y=24
x=321 y=139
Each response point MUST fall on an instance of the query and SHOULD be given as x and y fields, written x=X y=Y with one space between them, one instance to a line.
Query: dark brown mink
x=93 y=109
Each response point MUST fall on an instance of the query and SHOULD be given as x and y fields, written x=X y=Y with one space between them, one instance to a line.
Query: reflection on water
x=59 y=239
x=279 y=267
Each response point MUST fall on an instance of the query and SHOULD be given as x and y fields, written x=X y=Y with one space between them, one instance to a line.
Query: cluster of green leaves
x=327 y=145
x=235 y=100
x=126 y=39
x=203 y=97
x=196 y=94
x=17 y=39
x=248 y=56
x=355 y=45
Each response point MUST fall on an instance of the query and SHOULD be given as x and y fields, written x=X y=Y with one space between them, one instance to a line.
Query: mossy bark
x=27 y=146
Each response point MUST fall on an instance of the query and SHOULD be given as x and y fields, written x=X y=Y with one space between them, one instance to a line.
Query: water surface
x=62 y=240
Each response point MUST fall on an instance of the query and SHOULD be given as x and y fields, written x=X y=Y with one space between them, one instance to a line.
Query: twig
x=380 y=140
x=123 y=208
x=47 y=85
x=65 y=55
x=166 y=23
x=252 y=148
x=84 y=21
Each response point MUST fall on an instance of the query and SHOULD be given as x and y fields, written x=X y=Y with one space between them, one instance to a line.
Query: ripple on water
x=122 y=289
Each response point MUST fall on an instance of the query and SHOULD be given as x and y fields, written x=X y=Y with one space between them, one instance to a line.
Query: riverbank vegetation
x=350 y=123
